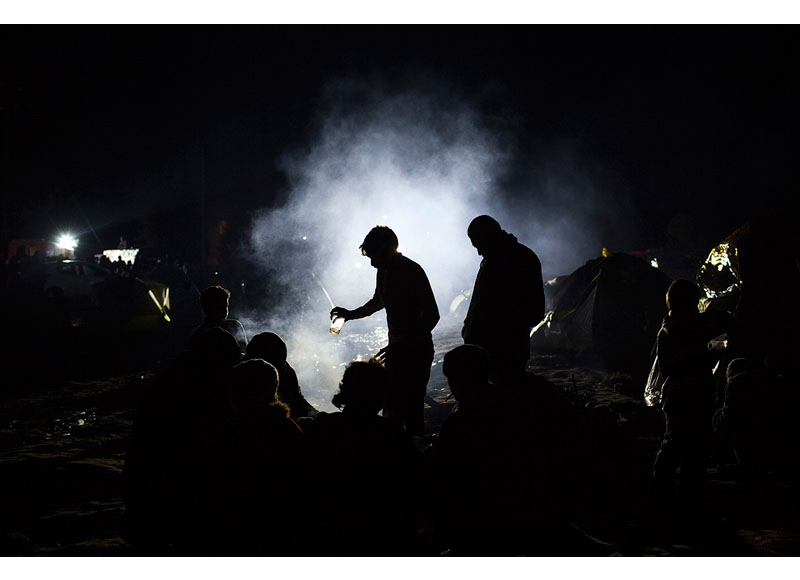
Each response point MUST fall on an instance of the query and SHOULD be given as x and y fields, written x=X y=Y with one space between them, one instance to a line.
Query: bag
x=654 y=389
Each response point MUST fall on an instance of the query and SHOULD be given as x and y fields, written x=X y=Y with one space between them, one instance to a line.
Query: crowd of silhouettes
x=228 y=457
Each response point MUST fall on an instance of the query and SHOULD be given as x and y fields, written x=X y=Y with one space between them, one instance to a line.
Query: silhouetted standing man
x=411 y=314
x=507 y=300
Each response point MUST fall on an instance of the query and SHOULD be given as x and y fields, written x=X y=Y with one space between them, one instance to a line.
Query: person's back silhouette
x=258 y=486
x=369 y=464
x=180 y=422
x=270 y=347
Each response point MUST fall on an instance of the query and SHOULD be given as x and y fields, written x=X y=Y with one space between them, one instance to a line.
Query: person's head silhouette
x=363 y=388
x=379 y=245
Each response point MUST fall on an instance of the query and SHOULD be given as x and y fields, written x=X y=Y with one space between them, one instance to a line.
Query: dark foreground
x=62 y=449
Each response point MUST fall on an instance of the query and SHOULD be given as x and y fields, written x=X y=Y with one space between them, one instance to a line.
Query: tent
x=611 y=307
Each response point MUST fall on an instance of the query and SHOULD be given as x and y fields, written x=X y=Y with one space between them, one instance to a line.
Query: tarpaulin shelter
x=130 y=303
x=675 y=263
x=611 y=307
x=755 y=273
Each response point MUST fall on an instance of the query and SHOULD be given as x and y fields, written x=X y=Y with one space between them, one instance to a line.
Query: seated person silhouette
x=270 y=347
x=215 y=301
x=257 y=473
x=495 y=458
x=177 y=431
x=369 y=464
x=758 y=418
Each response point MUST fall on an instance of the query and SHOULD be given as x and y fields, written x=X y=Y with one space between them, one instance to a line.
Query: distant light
x=654 y=262
x=305 y=238
x=128 y=255
x=161 y=309
x=67 y=242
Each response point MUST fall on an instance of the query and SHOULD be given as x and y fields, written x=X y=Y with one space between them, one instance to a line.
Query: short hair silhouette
x=467 y=361
x=483 y=226
x=213 y=299
x=683 y=296
x=379 y=240
x=738 y=366
x=467 y=370
x=268 y=346
x=363 y=387
x=253 y=385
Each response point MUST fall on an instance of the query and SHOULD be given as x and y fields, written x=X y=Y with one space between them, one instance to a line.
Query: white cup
x=336 y=324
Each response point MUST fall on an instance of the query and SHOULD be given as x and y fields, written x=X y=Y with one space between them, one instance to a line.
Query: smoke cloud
x=425 y=163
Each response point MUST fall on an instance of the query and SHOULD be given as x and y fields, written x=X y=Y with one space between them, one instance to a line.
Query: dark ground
x=62 y=447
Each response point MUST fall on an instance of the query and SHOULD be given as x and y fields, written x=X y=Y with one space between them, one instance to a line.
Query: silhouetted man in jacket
x=507 y=300
x=402 y=288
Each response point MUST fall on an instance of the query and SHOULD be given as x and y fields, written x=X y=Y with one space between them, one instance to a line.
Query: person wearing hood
x=687 y=361
x=507 y=300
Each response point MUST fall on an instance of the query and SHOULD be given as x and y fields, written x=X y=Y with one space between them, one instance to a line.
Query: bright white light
x=654 y=262
x=128 y=255
x=66 y=242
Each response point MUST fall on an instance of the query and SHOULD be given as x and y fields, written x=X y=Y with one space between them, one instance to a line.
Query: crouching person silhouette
x=402 y=288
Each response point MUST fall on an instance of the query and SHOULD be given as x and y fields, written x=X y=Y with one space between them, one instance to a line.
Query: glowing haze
x=421 y=162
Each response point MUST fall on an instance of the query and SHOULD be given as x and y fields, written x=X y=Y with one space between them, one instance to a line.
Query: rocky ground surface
x=62 y=449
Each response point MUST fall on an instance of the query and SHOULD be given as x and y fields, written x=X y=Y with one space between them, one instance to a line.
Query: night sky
x=143 y=131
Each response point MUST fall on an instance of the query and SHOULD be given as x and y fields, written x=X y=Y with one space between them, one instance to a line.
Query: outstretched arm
x=370 y=307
